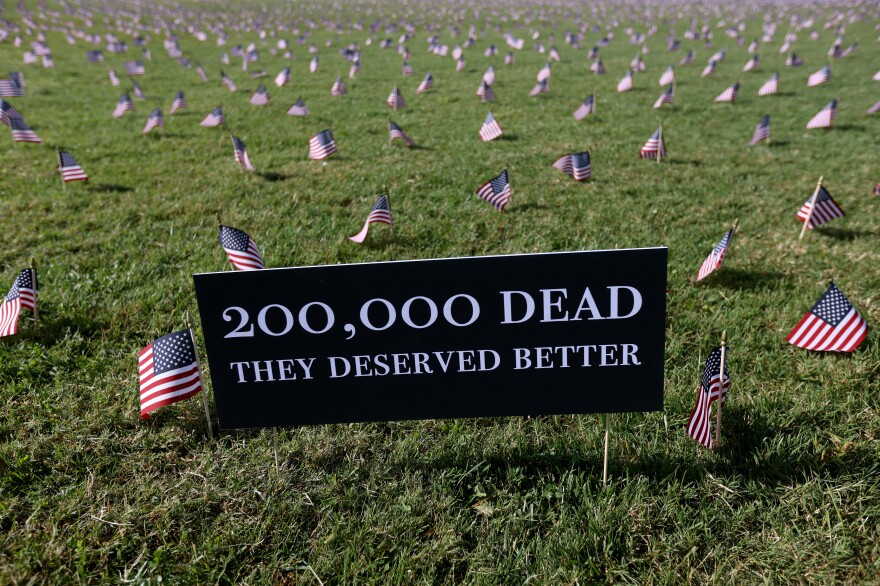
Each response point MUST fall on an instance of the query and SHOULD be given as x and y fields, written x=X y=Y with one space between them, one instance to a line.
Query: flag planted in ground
x=716 y=257
x=69 y=168
x=762 y=131
x=240 y=154
x=826 y=209
x=496 y=191
x=577 y=165
x=168 y=371
x=380 y=213
x=699 y=425
x=23 y=294
x=322 y=145
x=241 y=249
x=832 y=325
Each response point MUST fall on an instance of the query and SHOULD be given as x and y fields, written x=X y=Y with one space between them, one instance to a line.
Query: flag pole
x=36 y=290
x=660 y=146
x=605 y=463
x=63 y=183
x=388 y=199
x=720 y=389
x=192 y=337
x=812 y=207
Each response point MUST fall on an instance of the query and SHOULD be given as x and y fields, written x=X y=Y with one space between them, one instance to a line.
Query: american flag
x=771 y=86
x=826 y=209
x=876 y=190
x=668 y=76
x=21 y=132
x=48 y=63
x=8 y=112
x=544 y=73
x=793 y=60
x=728 y=95
x=509 y=58
x=751 y=64
x=407 y=69
x=626 y=84
x=338 y=88
x=354 y=69
x=201 y=71
x=849 y=50
x=489 y=76
x=94 y=56
x=597 y=67
x=10 y=88
x=699 y=425
x=395 y=131
x=496 y=191
x=485 y=93
x=134 y=68
x=576 y=164
x=155 y=120
x=820 y=77
x=719 y=56
x=114 y=79
x=146 y=53
x=123 y=105
x=224 y=79
x=542 y=87
x=70 y=169
x=655 y=147
x=298 y=109
x=137 y=91
x=215 y=118
x=593 y=53
x=825 y=117
x=490 y=129
x=687 y=59
x=586 y=108
x=260 y=97
x=709 y=69
x=179 y=103
x=240 y=248
x=168 y=371
x=426 y=84
x=322 y=145
x=22 y=294
x=554 y=54
x=283 y=78
x=395 y=99
x=224 y=58
x=240 y=153
x=873 y=109
x=460 y=65
x=313 y=64
x=637 y=64
x=380 y=213
x=667 y=97
x=716 y=257
x=832 y=324
x=762 y=131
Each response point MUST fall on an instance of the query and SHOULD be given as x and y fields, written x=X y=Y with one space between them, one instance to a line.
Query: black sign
x=535 y=334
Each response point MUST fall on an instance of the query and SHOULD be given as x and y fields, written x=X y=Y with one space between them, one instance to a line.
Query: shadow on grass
x=526 y=207
x=420 y=147
x=844 y=233
x=268 y=176
x=778 y=143
x=742 y=279
x=508 y=137
x=691 y=162
x=109 y=188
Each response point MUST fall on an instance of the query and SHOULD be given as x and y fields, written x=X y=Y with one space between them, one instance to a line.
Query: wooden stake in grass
x=192 y=337
x=720 y=389
x=36 y=291
x=605 y=463
x=60 y=164
x=661 y=148
x=812 y=207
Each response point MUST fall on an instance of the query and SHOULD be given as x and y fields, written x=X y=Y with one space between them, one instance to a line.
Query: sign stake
x=720 y=389
x=605 y=464
x=812 y=207
x=192 y=337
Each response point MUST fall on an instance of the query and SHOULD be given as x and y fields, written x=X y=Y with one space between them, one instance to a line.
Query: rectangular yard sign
x=531 y=334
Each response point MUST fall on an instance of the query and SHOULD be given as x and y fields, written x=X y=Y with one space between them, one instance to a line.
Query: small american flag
x=21 y=132
x=509 y=58
x=873 y=109
x=699 y=425
x=354 y=69
x=114 y=79
x=820 y=77
x=490 y=129
x=94 y=56
x=489 y=76
x=179 y=103
x=826 y=209
x=338 y=88
x=668 y=76
x=544 y=73
x=832 y=324
x=260 y=97
x=793 y=60
x=8 y=112
x=137 y=91
x=10 y=88
x=485 y=93
x=667 y=97
x=770 y=87
x=598 y=68
x=395 y=131
x=298 y=109
x=240 y=153
x=655 y=147
x=123 y=105
x=542 y=87
x=496 y=191
x=215 y=118
x=156 y=120
x=380 y=213
x=240 y=248
x=322 y=145
x=283 y=78
x=751 y=64
x=426 y=84
x=201 y=71
x=825 y=117
x=168 y=371
x=314 y=64
x=460 y=65
x=626 y=84
x=224 y=79
x=637 y=64
x=22 y=294
x=70 y=169
x=407 y=69
x=576 y=164
x=728 y=95
x=688 y=59
x=395 y=99
x=585 y=109
x=716 y=257
x=762 y=131
x=709 y=69
x=134 y=68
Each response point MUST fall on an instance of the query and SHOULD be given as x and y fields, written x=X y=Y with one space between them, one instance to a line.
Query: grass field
x=90 y=493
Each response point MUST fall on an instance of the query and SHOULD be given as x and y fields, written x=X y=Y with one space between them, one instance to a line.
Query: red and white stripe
x=249 y=260
x=825 y=212
x=166 y=388
x=813 y=333
x=699 y=425
x=9 y=312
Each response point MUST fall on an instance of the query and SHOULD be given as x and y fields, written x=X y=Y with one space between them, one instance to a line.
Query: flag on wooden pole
x=699 y=425
x=832 y=325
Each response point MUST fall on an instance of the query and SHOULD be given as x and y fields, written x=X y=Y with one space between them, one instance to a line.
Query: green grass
x=90 y=493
